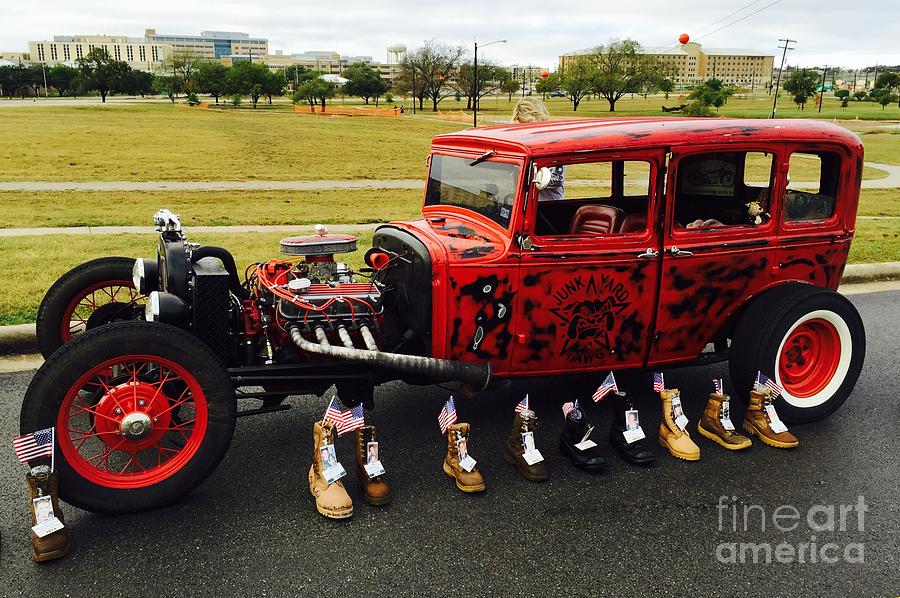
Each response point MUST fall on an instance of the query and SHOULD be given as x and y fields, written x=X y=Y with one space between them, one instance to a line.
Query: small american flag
x=763 y=380
x=354 y=419
x=720 y=389
x=334 y=414
x=608 y=386
x=36 y=444
x=569 y=407
x=659 y=383
x=447 y=416
x=523 y=405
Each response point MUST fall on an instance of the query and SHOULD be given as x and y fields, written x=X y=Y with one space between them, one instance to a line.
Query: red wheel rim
x=132 y=421
x=809 y=358
x=85 y=303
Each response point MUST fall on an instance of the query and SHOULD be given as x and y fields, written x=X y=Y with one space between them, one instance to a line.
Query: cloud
x=832 y=31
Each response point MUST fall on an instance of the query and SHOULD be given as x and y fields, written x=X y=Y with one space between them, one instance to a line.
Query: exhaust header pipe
x=476 y=374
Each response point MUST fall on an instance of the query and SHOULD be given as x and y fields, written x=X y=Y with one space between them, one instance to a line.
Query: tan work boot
x=676 y=440
x=375 y=490
x=467 y=481
x=52 y=546
x=757 y=422
x=711 y=425
x=332 y=500
x=524 y=421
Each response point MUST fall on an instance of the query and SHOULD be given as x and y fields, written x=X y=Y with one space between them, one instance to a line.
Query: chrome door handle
x=649 y=253
x=677 y=252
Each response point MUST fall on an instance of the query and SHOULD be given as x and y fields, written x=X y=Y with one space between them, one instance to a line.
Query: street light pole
x=822 y=90
x=46 y=89
x=785 y=47
x=475 y=80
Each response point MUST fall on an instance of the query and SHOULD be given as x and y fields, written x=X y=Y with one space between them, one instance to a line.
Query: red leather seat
x=634 y=223
x=595 y=220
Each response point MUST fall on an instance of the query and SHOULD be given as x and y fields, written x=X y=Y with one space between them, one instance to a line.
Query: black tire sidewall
x=57 y=375
x=63 y=291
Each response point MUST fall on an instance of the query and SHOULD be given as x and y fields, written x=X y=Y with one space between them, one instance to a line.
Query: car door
x=715 y=253
x=586 y=297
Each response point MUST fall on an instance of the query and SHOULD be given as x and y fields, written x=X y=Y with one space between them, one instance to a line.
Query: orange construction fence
x=347 y=110
x=458 y=115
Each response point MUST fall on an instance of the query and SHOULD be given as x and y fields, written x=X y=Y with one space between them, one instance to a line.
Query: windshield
x=488 y=188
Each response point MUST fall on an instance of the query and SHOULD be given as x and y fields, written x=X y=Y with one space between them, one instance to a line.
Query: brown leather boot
x=711 y=426
x=757 y=422
x=332 y=500
x=676 y=440
x=467 y=481
x=524 y=421
x=52 y=546
x=375 y=490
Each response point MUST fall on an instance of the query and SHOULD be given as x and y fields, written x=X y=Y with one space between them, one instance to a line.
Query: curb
x=20 y=339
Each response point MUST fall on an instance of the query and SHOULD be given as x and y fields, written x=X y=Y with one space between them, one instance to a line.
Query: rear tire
x=132 y=373
x=811 y=341
x=69 y=298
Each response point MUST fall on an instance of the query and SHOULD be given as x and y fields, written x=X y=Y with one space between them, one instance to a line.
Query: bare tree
x=621 y=68
x=182 y=64
x=426 y=73
x=490 y=77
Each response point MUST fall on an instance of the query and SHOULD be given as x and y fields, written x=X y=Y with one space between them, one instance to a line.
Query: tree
x=426 y=72
x=13 y=80
x=166 y=85
x=101 y=72
x=859 y=96
x=509 y=87
x=247 y=79
x=888 y=81
x=364 y=82
x=666 y=86
x=183 y=64
x=712 y=93
x=136 y=83
x=802 y=84
x=63 y=79
x=490 y=79
x=295 y=74
x=210 y=77
x=842 y=93
x=35 y=77
x=578 y=80
x=547 y=84
x=314 y=91
x=887 y=98
x=274 y=85
x=621 y=68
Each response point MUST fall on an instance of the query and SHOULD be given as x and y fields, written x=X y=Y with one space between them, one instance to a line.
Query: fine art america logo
x=811 y=535
x=588 y=306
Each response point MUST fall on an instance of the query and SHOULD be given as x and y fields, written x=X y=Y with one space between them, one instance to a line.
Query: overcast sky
x=835 y=32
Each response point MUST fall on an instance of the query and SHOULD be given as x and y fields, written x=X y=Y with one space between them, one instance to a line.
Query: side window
x=812 y=190
x=594 y=199
x=721 y=189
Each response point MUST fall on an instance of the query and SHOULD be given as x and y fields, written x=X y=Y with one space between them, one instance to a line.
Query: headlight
x=166 y=308
x=145 y=276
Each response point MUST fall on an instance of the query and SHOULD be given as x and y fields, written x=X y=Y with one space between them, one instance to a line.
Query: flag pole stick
x=52 y=449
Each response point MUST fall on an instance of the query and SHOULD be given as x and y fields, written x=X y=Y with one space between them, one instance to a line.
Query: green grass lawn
x=34 y=263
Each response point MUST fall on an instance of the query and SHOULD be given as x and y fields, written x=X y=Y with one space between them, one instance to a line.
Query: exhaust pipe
x=476 y=374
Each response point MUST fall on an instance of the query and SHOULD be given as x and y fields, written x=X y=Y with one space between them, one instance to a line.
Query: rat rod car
x=568 y=247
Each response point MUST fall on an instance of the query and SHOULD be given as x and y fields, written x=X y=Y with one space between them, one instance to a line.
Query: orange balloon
x=684 y=38
x=545 y=74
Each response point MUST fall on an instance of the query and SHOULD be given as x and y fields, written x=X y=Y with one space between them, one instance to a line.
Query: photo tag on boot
x=43 y=510
x=530 y=454
x=468 y=463
x=374 y=468
x=332 y=470
x=47 y=527
x=725 y=416
x=586 y=442
x=678 y=413
x=462 y=451
x=633 y=431
x=774 y=421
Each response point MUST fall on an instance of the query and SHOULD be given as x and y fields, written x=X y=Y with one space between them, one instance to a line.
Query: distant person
x=532 y=110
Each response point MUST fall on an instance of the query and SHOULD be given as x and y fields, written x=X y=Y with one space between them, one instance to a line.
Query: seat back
x=595 y=220
x=634 y=223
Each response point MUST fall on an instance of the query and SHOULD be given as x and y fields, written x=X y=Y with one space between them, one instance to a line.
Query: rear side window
x=813 y=188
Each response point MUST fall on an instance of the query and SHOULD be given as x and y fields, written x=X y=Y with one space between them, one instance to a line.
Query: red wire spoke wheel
x=92 y=294
x=811 y=340
x=132 y=421
x=143 y=412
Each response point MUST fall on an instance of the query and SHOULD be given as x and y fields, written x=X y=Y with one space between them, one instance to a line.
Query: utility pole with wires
x=785 y=47
x=822 y=88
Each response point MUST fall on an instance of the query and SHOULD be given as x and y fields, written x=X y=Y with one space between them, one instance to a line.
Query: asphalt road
x=252 y=529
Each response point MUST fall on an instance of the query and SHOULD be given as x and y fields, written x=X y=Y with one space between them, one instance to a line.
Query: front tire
x=143 y=413
x=811 y=341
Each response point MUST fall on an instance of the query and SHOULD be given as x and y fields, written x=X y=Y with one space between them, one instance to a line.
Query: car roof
x=587 y=134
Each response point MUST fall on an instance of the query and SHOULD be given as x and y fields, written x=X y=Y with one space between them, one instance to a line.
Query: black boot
x=589 y=459
x=636 y=453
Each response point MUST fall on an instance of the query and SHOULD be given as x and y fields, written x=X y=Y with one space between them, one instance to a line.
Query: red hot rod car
x=558 y=248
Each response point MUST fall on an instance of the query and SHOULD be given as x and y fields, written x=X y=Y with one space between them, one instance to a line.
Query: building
x=149 y=52
x=327 y=61
x=692 y=64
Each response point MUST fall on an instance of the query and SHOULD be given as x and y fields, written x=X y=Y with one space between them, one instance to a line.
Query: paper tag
x=334 y=473
x=533 y=456
x=585 y=445
x=374 y=469
x=633 y=435
x=678 y=413
x=468 y=463
x=725 y=416
x=774 y=421
x=47 y=527
x=726 y=423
